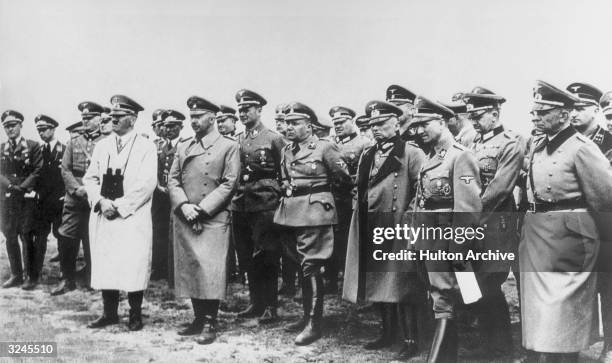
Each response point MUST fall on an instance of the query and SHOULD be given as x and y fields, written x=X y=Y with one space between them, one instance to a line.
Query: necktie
x=47 y=151
x=119 y=145
x=296 y=148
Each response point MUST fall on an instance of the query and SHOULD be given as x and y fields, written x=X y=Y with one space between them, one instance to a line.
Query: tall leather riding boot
x=256 y=306
x=40 y=248
x=408 y=322
x=444 y=345
x=209 y=331
x=199 y=313
x=312 y=330
x=135 y=301
x=331 y=276
x=385 y=339
x=14 y=255
x=110 y=300
x=557 y=358
x=494 y=323
x=288 y=275
x=68 y=249
x=306 y=306
x=269 y=294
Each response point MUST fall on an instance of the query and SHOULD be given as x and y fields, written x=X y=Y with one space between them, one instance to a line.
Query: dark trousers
x=73 y=230
x=204 y=308
x=160 y=213
x=341 y=230
x=19 y=222
x=110 y=298
x=258 y=249
x=49 y=218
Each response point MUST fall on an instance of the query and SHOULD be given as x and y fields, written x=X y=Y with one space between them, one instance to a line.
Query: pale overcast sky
x=55 y=54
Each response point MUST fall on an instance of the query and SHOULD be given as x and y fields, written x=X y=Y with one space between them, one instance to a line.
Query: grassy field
x=36 y=316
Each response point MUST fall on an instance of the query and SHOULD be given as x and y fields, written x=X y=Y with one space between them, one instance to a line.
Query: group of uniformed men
x=298 y=199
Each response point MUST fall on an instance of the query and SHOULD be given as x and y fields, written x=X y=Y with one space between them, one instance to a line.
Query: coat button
x=394 y=209
x=395 y=174
x=394 y=186
x=548 y=188
x=395 y=197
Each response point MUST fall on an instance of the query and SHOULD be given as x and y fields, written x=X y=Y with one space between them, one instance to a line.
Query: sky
x=55 y=54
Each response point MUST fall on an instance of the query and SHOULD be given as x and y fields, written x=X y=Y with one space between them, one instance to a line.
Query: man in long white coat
x=119 y=183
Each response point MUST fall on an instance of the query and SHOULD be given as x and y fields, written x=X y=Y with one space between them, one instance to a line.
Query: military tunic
x=568 y=178
x=448 y=196
x=51 y=190
x=160 y=210
x=20 y=165
x=76 y=160
x=308 y=169
x=500 y=158
x=385 y=191
x=256 y=198
x=351 y=148
x=204 y=173
x=466 y=136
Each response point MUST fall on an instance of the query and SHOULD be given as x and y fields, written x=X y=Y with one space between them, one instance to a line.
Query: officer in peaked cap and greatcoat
x=202 y=182
x=386 y=185
x=568 y=179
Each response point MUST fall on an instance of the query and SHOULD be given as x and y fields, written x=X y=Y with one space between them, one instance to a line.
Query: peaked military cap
x=173 y=116
x=298 y=111
x=90 y=109
x=121 y=105
x=605 y=102
x=427 y=110
x=322 y=124
x=44 y=121
x=11 y=116
x=398 y=95
x=245 y=97
x=75 y=127
x=547 y=96
x=588 y=94
x=380 y=111
x=225 y=112
x=456 y=107
x=158 y=116
x=198 y=105
x=481 y=99
x=362 y=121
x=340 y=113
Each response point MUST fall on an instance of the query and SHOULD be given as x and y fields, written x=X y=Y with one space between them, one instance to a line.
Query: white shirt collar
x=126 y=137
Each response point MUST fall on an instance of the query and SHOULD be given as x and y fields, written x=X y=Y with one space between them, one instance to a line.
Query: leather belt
x=543 y=207
x=78 y=174
x=253 y=176
x=298 y=191
x=437 y=204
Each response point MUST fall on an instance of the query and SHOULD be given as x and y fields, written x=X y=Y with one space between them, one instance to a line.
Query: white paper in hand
x=470 y=291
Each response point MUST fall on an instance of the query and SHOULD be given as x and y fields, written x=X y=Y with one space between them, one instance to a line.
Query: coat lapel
x=392 y=163
x=364 y=172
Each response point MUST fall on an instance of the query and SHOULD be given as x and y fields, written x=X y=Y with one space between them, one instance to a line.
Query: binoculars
x=112 y=184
